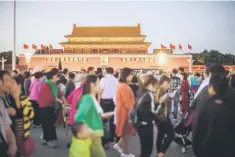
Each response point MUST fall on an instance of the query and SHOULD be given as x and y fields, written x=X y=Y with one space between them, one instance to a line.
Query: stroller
x=183 y=129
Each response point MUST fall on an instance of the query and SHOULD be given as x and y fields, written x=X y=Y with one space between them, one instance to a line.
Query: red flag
x=34 y=47
x=43 y=47
x=51 y=47
x=163 y=47
x=189 y=47
x=26 y=46
x=180 y=46
x=172 y=46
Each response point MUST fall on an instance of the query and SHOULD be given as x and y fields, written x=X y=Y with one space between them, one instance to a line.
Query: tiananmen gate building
x=115 y=46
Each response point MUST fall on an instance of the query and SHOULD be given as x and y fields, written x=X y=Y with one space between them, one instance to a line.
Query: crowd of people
x=107 y=106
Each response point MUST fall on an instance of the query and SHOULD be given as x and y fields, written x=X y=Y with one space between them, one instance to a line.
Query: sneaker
x=118 y=148
x=41 y=137
x=127 y=155
x=51 y=144
x=43 y=142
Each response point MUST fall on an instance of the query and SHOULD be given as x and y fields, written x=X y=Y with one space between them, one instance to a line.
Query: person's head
x=14 y=73
x=38 y=75
x=216 y=69
x=233 y=81
x=53 y=75
x=62 y=80
x=174 y=72
x=109 y=70
x=185 y=76
x=83 y=71
x=181 y=70
x=71 y=76
x=80 y=130
x=18 y=81
x=99 y=70
x=126 y=75
x=92 y=85
x=164 y=82
x=27 y=75
x=150 y=83
x=218 y=85
x=65 y=71
x=6 y=82
x=197 y=75
x=91 y=71
x=134 y=79
x=82 y=78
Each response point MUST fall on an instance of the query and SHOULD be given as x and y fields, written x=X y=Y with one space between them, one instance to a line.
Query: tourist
x=22 y=123
x=175 y=85
x=14 y=73
x=165 y=129
x=134 y=85
x=81 y=141
x=49 y=95
x=70 y=85
x=184 y=94
x=34 y=91
x=99 y=73
x=8 y=147
x=232 y=82
x=89 y=111
x=205 y=81
x=212 y=136
x=228 y=99
x=27 y=82
x=195 y=82
x=91 y=71
x=147 y=115
x=108 y=86
x=125 y=101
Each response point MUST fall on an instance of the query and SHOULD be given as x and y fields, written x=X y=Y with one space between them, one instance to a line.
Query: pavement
x=63 y=139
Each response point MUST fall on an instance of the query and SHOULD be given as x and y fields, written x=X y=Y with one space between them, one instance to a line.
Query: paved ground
x=62 y=151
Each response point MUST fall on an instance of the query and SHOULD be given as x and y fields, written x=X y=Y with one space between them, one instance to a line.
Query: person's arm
x=84 y=106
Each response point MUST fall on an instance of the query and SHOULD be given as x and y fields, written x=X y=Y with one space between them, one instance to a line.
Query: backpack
x=134 y=116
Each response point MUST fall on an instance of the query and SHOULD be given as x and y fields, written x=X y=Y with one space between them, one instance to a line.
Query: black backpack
x=134 y=113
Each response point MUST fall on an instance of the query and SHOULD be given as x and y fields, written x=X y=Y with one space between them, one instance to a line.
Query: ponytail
x=220 y=84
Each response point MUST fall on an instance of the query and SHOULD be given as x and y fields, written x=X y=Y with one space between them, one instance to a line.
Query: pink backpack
x=72 y=99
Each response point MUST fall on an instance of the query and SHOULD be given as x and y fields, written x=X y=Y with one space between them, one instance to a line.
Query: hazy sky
x=204 y=25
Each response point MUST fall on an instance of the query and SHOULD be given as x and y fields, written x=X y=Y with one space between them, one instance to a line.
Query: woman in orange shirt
x=124 y=104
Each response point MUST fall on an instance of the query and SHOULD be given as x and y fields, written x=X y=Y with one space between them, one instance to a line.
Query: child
x=81 y=141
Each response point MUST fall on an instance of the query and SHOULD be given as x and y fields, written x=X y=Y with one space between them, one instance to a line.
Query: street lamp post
x=3 y=60
x=14 y=51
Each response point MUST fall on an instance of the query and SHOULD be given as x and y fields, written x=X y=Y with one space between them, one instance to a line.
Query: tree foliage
x=213 y=56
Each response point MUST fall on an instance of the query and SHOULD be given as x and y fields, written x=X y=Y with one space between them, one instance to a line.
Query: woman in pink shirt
x=34 y=90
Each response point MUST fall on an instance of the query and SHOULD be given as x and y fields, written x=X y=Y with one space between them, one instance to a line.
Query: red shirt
x=46 y=98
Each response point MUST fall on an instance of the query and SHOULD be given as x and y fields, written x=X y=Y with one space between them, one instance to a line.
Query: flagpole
x=14 y=51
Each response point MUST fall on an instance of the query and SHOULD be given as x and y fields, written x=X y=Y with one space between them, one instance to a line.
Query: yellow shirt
x=80 y=148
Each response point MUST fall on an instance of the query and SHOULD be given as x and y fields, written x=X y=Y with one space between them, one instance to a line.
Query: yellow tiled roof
x=106 y=31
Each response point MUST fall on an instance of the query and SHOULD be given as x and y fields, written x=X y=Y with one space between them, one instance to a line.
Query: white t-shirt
x=109 y=85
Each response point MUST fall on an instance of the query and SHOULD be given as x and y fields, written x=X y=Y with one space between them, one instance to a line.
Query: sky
x=204 y=25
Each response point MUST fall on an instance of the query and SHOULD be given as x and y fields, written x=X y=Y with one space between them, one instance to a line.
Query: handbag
x=26 y=147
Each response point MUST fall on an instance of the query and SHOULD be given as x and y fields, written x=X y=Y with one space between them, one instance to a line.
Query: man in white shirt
x=108 y=86
x=205 y=82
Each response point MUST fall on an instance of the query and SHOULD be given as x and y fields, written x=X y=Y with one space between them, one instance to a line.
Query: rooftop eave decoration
x=106 y=39
x=108 y=46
